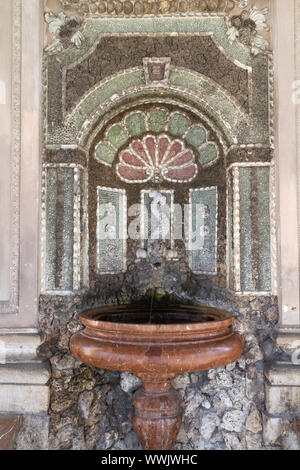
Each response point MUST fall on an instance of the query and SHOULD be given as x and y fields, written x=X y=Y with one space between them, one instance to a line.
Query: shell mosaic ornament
x=157 y=158
x=157 y=146
x=152 y=7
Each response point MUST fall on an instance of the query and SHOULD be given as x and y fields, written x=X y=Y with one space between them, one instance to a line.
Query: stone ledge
x=17 y=398
x=288 y=341
x=282 y=389
x=281 y=431
x=283 y=374
x=23 y=377
x=16 y=348
x=30 y=373
x=282 y=400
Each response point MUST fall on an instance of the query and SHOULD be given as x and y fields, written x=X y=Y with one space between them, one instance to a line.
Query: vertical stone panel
x=249 y=226
x=111 y=230
x=84 y=229
x=229 y=213
x=65 y=225
x=157 y=209
x=51 y=219
x=246 y=230
x=264 y=229
x=69 y=222
x=203 y=230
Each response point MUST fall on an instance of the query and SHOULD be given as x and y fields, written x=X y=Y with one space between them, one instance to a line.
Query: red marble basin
x=180 y=339
x=156 y=348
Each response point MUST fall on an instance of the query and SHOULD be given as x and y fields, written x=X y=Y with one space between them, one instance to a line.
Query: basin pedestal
x=157 y=412
x=156 y=348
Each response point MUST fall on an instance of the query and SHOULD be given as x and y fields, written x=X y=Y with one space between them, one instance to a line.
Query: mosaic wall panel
x=251 y=247
x=64 y=228
x=163 y=101
x=111 y=230
x=101 y=63
x=110 y=57
x=203 y=230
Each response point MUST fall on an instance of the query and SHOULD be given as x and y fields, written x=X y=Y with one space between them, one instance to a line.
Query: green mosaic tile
x=246 y=235
x=157 y=120
x=264 y=233
x=105 y=153
x=117 y=136
x=213 y=101
x=230 y=231
x=208 y=153
x=196 y=136
x=51 y=248
x=178 y=124
x=135 y=124
x=254 y=229
x=139 y=98
x=68 y=230
x=209 y=101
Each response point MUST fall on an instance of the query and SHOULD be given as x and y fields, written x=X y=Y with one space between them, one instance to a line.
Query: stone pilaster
x=23 y=377
x=282 y=388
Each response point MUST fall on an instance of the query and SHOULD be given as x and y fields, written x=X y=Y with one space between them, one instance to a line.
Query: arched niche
x=157 y=149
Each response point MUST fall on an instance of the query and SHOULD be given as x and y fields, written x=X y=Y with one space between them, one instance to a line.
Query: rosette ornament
x=157 y=158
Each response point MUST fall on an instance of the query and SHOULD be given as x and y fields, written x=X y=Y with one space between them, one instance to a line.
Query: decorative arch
x=192 y=90
x=168 y=96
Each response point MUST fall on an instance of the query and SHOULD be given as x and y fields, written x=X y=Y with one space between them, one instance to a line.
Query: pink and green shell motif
x=161 y=123
x=157 y=158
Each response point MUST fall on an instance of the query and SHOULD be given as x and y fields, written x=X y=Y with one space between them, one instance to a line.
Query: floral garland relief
x=245 y=27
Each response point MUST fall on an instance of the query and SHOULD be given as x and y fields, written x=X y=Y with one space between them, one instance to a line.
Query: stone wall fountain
x=158 y=173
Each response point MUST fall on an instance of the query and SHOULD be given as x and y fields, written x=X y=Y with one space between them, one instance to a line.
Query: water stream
x=151 y=304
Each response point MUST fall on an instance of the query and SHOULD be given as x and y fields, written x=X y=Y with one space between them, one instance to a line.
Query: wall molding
x=12 y=306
